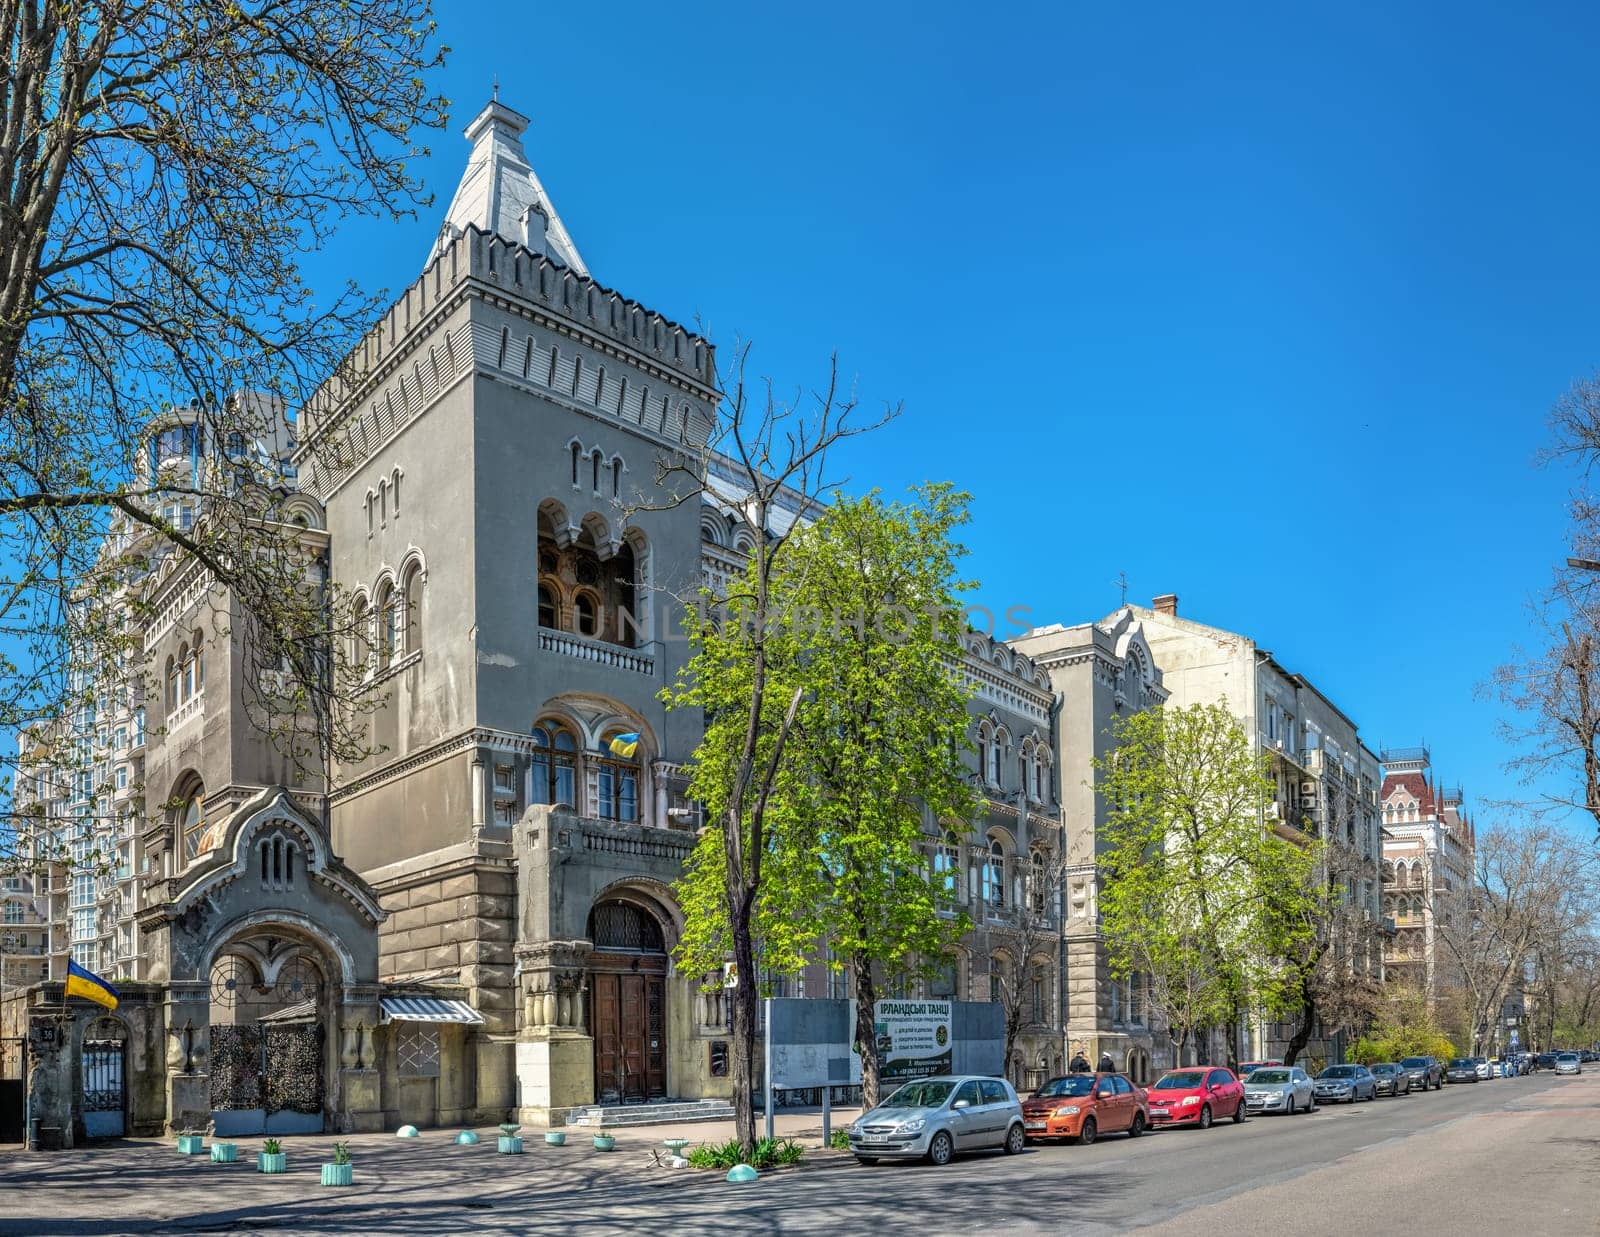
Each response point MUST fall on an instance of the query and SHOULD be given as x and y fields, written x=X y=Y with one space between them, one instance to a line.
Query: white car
x=936 y=1117
x=1279 y=1088
x=1485 y=1070
x=1569 y=1063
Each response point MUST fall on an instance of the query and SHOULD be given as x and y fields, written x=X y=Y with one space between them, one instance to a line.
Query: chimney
x=1167 y=604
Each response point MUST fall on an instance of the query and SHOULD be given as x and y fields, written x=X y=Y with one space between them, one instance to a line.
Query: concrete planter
x=275 y=1163
x=191 y=1144
x=338 y=1174
x=509 y=1144
x=224 y=1153
x=556 y=1138
x=604 y=1142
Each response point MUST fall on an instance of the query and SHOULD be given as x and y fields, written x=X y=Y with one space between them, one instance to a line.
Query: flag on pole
x=85 y=983
x=625 y=745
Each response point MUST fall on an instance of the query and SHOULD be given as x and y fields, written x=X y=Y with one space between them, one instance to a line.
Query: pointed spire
x=500 y=193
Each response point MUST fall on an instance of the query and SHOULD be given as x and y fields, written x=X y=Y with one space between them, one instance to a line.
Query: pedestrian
x=1080 y=1064
x=1107 y=1065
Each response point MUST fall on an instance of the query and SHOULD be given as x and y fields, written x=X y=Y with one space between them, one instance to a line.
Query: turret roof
x=500 y=184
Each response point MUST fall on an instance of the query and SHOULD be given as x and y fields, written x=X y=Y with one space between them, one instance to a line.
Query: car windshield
x=1062 y=1088
x=919 y=1095
x=1415 y=1062
x=1384 y=1069
x=1338 y=1071
x=1269 y=1075
x=1566 y=1056
x=1179 y=1079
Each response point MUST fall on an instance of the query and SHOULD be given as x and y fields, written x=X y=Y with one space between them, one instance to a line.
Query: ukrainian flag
x=88 y=985
x=625 y=745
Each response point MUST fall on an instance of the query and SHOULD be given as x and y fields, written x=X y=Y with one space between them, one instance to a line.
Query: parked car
x=1279 y=1088
x=1347 y=1083
x=1462 y=1069
x=1425 y=1072
x=1544 y=1060
x=1197 y=1096
x=937 y=1117
x=1485 y=1070
x=1085 y=1106
x=1391 y=1078
x=1569 y=1063
x=1246 y=1068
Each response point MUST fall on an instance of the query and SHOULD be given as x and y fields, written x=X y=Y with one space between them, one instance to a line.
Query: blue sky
x=1260 y=305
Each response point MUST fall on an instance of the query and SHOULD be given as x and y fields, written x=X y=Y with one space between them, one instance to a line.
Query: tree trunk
x=867 y=1031
x=744 y=1027
x=1302 y=1033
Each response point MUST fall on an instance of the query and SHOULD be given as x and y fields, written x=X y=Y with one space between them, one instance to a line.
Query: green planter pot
x=191 y=1144
x=604 y=1142
x=224 y=1153
x=467 y=1138
x=338 y=1174
x=509 y=1144
x=556 y=1138
x=278 y=1163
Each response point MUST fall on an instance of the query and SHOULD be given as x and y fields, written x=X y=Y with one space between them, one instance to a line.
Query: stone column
x=188 y=1022
x=555 y=1052
x=359 y=1094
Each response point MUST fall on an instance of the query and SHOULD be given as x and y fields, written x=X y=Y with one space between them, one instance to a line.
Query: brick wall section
x=463 y=922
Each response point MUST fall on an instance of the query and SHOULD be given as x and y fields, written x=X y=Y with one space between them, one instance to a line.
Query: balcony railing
x=186 y=712
x=596 y=651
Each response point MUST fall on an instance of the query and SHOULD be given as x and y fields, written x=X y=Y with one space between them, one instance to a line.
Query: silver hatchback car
x=937 y=1117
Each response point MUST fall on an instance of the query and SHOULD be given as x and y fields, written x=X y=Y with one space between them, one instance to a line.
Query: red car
x=1196 y=1095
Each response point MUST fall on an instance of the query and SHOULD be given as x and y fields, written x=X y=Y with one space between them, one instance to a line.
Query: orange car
x=1085 y=1106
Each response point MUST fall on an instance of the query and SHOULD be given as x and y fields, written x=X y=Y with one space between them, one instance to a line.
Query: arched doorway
x=268 y=1026
x=627 y=1003
x=105 y=1090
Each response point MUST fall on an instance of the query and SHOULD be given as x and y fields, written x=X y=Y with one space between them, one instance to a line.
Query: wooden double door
x=628 y=1018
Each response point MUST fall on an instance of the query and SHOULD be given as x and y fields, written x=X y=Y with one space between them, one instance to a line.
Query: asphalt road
x=1518 y=1157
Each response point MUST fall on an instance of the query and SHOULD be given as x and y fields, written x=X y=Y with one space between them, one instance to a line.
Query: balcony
x=186 y=712
x=596 y=651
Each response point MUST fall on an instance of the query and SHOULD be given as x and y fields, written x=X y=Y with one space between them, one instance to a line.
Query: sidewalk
x=801 y=1124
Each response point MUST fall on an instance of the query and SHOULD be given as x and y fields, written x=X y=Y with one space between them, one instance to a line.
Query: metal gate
x=266 y=1079
x=13 y=1100
x=104 y=1092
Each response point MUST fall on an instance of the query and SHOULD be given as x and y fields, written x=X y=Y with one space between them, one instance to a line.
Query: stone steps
x=616 y=1116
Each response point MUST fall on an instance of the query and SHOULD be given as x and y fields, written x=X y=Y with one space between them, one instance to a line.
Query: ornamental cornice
x=478 y=736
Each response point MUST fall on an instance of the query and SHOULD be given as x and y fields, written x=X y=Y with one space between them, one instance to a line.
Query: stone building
x=1429 y=846
x=1100 y=671
x=1326 y=778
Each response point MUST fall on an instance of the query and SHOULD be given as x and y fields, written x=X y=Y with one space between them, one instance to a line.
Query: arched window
x=985 y=743
x=587 y=614
x=996 y=754
x=384 y=612
x=192 y=823
x=577 y=451
x=1039 y=895
x=549 y=614
x=360 y=652
x=994 y=875
x=616 y=476
x=1401 y=874
x=411 y=603
x=1024 y=770
x=174 y=678
x=555 y=764
x=1041 y=777
x=614 y=782
x=594 y=467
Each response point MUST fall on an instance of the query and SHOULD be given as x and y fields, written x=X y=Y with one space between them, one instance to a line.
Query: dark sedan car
x=1425 y=1072
x=1462 y=1069
x=1544 y=1060
x=1346 y=1083
x=1392 y=1078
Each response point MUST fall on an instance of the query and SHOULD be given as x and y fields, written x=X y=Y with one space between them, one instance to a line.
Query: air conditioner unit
x=1274 y=812
x=1308 y=803
x=1308 y=788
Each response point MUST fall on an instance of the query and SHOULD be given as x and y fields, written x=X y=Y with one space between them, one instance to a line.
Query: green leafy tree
x=1404 y=1025
x=873 y=594
x=1199 y=894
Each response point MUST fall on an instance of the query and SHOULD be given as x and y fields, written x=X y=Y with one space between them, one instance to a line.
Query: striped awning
x=305 y=1011
x=427 y=1009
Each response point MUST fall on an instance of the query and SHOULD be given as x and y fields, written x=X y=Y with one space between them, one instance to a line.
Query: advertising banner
x=914 y=1039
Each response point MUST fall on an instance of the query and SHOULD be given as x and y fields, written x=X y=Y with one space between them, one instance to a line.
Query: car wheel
x=1238 y=1112
x=1015 y=1141
x=1290 y=1109
x=1089 y=1132
x=1137 y=1127
x=866 y=1161
x=940 y=1148
x=1205 y=1117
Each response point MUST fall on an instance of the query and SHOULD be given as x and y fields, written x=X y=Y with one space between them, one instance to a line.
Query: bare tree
x=768 y=462
x=1031 y=936
x=162 y=168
